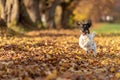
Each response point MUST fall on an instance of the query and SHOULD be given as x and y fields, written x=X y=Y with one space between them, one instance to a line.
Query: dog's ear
x=89 y=23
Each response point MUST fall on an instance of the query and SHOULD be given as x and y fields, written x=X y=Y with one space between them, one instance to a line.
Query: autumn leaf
x=117 y=75
x=52 y=56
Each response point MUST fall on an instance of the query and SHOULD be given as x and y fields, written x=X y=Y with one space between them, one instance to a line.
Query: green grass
x=107 y=28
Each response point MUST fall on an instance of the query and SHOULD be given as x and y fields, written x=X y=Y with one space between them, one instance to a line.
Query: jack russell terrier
x=86 y=40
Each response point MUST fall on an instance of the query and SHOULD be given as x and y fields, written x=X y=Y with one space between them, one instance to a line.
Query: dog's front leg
x=85 y=44
x=95 y=53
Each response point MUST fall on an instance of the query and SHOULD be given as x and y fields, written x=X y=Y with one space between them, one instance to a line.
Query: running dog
x=86 y=40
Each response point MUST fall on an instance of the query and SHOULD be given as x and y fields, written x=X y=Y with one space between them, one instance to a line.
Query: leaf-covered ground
x=56 y=55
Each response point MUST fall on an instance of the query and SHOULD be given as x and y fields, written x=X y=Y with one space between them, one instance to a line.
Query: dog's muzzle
x=85 y=32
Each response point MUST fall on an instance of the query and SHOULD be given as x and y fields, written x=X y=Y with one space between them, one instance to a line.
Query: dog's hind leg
x=87 y=52
x=93 y=34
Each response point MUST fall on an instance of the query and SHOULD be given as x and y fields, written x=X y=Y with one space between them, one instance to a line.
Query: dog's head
x=84 y=26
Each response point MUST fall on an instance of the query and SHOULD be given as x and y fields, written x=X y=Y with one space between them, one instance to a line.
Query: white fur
x=87 y=42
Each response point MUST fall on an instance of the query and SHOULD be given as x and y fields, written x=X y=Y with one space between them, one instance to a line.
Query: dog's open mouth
x=84 y=32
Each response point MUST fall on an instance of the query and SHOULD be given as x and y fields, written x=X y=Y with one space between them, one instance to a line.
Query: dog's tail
x=93 y=34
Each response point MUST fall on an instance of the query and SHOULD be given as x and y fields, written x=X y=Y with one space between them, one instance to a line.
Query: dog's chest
x=86 y=42
x=84 y=39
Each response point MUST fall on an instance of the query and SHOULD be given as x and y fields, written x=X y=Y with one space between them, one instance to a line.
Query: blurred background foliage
x=57 y=14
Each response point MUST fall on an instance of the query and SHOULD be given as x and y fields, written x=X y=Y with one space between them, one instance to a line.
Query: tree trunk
x=32 y=8
x=22 y=11
x=2 y=11
x=2 y=7
x=51 y=14
x=10 y=11
x=65 y=18
x=30 y=13
x=67 y=9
